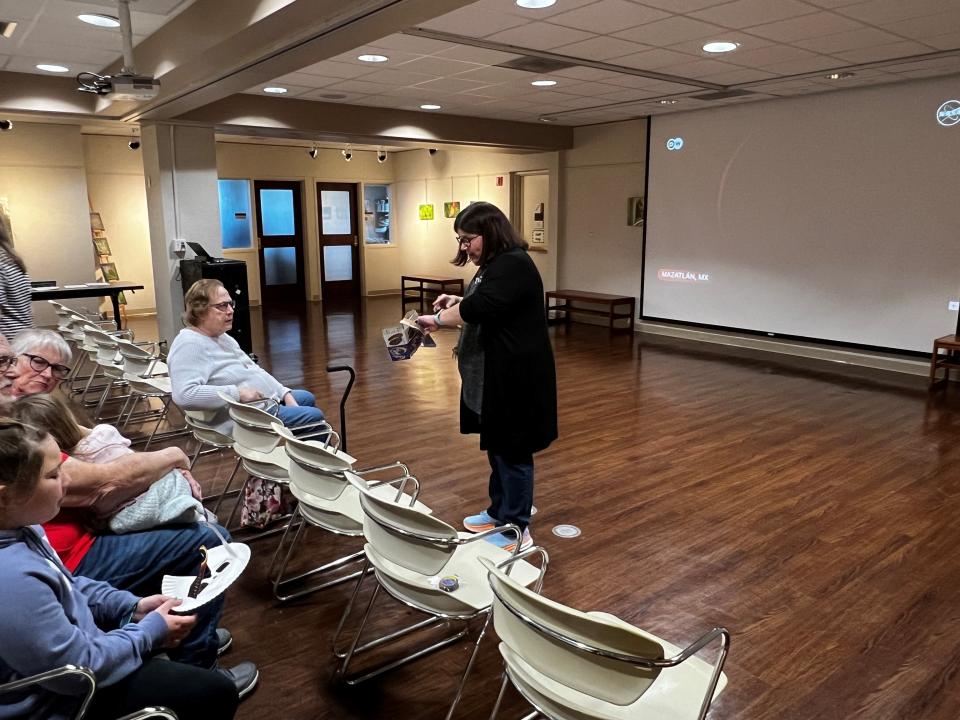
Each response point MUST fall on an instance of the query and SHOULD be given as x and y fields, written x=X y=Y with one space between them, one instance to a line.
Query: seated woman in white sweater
x=204 y=361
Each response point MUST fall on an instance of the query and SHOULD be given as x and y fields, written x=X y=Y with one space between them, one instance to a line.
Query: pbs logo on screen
x=949 y=113
x=675 y=143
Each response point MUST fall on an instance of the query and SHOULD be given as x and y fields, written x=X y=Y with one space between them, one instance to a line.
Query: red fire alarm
x=499 y=180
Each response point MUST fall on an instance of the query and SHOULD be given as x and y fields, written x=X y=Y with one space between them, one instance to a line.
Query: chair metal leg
x=226 y=488
x=341 y=670
x=503 y=689
x=121 y=421
x=103 y=399
x=279 y=581
x=466 y=671
x=163 y=416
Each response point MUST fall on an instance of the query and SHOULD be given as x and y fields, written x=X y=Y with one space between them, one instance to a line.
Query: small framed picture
x=451 y=209
x=635 y=211
x=101 y=244
x=109 y=272
x=96 y=223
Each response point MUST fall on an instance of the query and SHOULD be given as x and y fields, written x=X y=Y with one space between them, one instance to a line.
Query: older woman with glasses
x=204 y=361
x=43 y=359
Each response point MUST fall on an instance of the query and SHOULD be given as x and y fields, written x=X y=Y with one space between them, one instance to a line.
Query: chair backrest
x=316 y=467
x=543 y=632
x=197 y=422
x=106 y=346
x=136 y=360
x=407 y=536
x=251 y=425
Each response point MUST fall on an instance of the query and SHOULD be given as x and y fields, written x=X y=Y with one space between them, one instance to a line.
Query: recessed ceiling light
x=53 y=68
x=275 y=90
x=667 y=102
x=535 y=4
x=543 y=83
x=100 y=20
x=840 y=76
x=431 y=106
x=720 y=47
x=372 y=58
x=547 y=119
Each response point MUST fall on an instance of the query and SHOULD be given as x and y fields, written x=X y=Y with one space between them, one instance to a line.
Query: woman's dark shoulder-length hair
x=483 y=218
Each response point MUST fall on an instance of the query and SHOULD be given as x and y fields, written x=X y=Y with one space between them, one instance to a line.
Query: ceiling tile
x=669 y=31
x=437 y=66
x=881 y=12
x=698 y=69
x=852 y=40
x=362 y=87
x=540 y=36
x=628 y=95
x=481 y=56
x=510 y=7
x=395 y=57
x=292 y=91
x=492 y=75
x=949 y=41
x=830 y=4
x=652 y=59
x=413 y=44
x=474 y=22
x=944 y=65
x=740 y=75
x=318 y=95
x=883 y=52
x=304 y=80
x=600 y=48
x=746 y=13
x=579 y=72
x=608 y=16
x=807 y=65
x=328 y=68
x=806 y=26
x=632 y=81
x=762 y=57
x=451 y=84
x=398 y=78
x=745 y=41
x=681 y=6
x=927 y=26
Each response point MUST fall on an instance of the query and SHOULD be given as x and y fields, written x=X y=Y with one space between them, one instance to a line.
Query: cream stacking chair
x=429 y=566
x=327 y=500
x=572 y=664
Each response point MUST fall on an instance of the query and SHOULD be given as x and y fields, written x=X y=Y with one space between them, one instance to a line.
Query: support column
x=180 y=171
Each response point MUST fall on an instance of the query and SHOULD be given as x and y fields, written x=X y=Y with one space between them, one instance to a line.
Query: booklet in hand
x=405 y=339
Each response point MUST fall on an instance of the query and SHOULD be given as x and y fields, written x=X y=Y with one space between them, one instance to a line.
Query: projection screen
x=833 y=217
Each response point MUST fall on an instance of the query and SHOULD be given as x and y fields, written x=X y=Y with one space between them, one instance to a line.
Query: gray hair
x=34 y=339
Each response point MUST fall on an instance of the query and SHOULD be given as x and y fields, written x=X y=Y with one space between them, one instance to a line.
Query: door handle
x=356 y=240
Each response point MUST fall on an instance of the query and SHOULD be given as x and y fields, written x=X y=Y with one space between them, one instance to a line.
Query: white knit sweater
x=201 y=366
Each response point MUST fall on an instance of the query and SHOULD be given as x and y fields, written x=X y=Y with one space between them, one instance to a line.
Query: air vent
x=535 y=64
x=333 y=96
x=723 y=94
x=7 y=27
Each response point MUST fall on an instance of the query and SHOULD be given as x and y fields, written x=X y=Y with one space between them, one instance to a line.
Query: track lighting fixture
x=347 y=153
x=432 y=151
x=6 y=125
x=381 y=156
x=313 y=152
x=134 y=144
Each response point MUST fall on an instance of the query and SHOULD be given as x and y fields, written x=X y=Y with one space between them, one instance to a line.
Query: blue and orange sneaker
x=508 y=540
x=480 y=523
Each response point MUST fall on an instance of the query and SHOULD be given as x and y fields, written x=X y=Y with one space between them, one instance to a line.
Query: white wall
x=275 y=162
x=605 y=167
x=427 y=246
x=44 y=185
x=116 y=189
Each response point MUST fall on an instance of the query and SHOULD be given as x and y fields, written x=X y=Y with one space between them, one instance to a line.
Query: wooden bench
x=950 y=360
x=423 y=290
x=564 y=304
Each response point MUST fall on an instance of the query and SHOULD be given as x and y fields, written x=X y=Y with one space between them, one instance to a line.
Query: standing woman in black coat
x=509 y=383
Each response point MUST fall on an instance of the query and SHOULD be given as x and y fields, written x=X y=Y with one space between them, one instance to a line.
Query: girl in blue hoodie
x=49 y=618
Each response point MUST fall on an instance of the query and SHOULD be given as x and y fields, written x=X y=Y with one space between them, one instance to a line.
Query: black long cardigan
x=519 y=407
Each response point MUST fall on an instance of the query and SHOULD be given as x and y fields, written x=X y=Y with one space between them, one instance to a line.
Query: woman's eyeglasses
x=6 y=361
x=222 y=307
x=40 y=364
x=466 y=239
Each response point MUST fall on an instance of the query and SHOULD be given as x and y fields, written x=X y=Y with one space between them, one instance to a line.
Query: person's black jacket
x=519 y=408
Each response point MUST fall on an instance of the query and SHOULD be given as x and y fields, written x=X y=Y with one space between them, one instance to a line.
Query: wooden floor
x=812 y=512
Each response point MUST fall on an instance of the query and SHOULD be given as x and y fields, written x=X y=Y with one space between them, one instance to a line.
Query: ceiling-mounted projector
x=120 y=87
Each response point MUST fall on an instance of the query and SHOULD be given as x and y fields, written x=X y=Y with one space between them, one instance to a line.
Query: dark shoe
x=244 y=676
x=224 y=641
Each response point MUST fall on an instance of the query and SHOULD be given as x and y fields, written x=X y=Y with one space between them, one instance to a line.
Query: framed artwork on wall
x=109 y=272
x=101 y=244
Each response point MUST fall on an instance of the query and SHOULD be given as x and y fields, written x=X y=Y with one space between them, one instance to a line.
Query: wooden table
x=950 y=360
x=420 y=288
x=569 y=297
x=95 y=290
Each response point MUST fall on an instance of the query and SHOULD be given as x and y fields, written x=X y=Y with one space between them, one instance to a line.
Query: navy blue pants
x=511 y=487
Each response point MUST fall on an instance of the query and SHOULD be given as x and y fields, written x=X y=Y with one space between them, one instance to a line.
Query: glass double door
x=280 y=246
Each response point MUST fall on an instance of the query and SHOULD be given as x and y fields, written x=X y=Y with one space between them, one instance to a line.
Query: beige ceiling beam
x=311 y=120
x=208 y=52
x=42 y=95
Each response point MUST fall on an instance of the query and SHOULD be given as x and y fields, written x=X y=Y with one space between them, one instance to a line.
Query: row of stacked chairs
x=564 y=662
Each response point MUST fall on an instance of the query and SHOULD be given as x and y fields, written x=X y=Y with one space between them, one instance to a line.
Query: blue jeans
x=306 y=410
x=138 y=561
x=511 y=488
